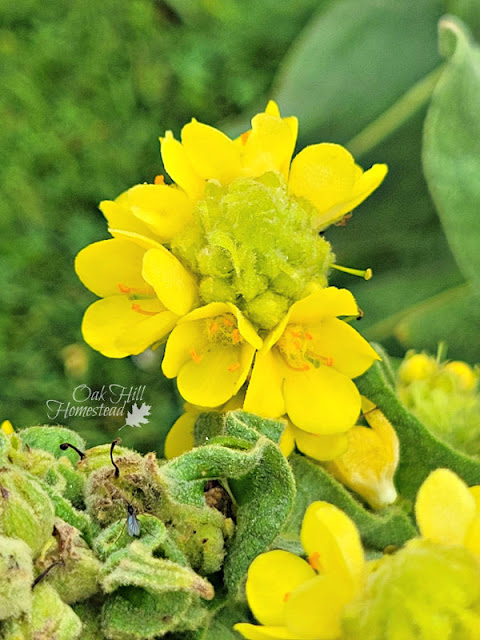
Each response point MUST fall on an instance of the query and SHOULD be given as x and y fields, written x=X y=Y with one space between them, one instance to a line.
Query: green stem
x=393 y=118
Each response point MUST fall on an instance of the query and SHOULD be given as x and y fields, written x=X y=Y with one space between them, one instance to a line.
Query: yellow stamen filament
x=159 y=179
x=195 y=357
x=366 y=274
x=144 y=312
x=314 y=561
x=234 y=367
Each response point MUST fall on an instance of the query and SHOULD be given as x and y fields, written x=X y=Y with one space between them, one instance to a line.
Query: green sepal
x=89 y=613
x=26 y=512
x=78 y=519
x=16 y=578
x=50 y=618
x=421 y=451
x=50 y=438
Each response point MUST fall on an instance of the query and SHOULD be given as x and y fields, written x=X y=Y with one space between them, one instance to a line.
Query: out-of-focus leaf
x=451 y=152
x=354 y=61
x=468 y=11
x=452 y=316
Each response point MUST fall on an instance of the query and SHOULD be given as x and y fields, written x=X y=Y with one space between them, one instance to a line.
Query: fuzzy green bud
x=50 y=618
x=16 y=578
x=50 y=438
x=253 y=244
x=425 y=591
x=26 y=511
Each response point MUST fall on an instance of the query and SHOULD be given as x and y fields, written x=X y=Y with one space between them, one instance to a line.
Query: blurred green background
x=87 y=88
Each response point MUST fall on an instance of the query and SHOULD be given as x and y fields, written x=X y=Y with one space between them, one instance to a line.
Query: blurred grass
x=87 y=88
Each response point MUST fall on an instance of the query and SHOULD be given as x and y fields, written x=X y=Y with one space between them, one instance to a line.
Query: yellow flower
x=306 y=365
x=211 y=351
x=180 y=438
x=370 y=460
x=448 y=512
x=298 y=600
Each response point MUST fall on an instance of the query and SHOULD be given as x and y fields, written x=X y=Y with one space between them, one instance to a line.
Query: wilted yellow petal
x=271 y=578
x=445 y=508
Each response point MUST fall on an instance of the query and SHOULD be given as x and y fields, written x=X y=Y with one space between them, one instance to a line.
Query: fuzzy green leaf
x=451 y=152
x=420 y=451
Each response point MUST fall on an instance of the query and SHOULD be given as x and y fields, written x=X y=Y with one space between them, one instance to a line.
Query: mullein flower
x=307 y=363
x=370 y=460
x=239 y=226
x=298 y=600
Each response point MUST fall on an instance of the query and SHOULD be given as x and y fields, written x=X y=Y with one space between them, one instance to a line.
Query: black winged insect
x=132 y=524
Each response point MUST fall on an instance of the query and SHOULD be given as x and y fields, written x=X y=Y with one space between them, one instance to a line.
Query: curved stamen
x=366 y=274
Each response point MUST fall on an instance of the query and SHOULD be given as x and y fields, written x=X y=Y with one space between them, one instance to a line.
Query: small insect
x=133 y=525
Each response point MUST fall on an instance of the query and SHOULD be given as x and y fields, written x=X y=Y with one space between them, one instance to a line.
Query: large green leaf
x=451 y=153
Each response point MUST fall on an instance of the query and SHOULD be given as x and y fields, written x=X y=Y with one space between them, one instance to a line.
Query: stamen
x=314 y=561
x=286 y=596
x=244 y=137
x=195 y=357
x=236 y=336
x=213 y=327
x=136 y=307
x=304 y=367
x=366 y=274
x=328 y=359
x=160 y=179
x=308 y=335
x=233 y=367
x=227 y=322
x=128 y=290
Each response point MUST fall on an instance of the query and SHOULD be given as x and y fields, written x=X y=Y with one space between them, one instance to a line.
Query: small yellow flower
x=370 y=460
x=448 y=512
x=298 y=600
x=211 y=351
x=307 y=363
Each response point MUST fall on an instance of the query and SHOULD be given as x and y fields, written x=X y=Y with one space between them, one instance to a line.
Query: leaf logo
x=137 y=417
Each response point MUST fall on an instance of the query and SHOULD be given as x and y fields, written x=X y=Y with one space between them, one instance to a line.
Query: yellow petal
x=216 y=376
x=321 y=400
x=320 y=447
x=332 y=543
x=112 y=327
x=272 y=109
x=351 y=354
x=103 y=265
x=475 y=491
x=325 y=303
x=7 y=427
x=472 y=536
x=143 y=241
x=271 y=578
x=180 y=438
x=164 y=209
x=255 y=632
x=287 y=439
x=211 y=153
x=314 y=609
x=185 y=337
x=444 y=508
x=179 y=168
x=364 y=186
x=119 y=216
x=269 y=146
x=324 y=174
x=173 y=284
x=265 y=389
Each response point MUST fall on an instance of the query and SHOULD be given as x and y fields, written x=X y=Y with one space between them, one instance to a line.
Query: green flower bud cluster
x=262 y=273
x=423 y=592
x=72 y=566
x=444 y=396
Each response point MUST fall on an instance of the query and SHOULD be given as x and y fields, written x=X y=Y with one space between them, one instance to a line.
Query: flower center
x=297 y=347
x=252 y=244
x=224 y=330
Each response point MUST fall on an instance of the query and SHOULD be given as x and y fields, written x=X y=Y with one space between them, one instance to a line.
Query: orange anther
x=227 y=322
x=233 y=367
x=195 y=357
x=329 y=362
x=295 y=334
x=286 y=596
x=123 y=289
x=159 y=179
x=244 y=137
x=297 y=345
x=308 y=335
x=213 y=327
x=138 y=309
x=236 y=336
x=314 y=561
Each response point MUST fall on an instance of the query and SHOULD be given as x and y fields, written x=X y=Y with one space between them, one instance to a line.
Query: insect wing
x=133 y=525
